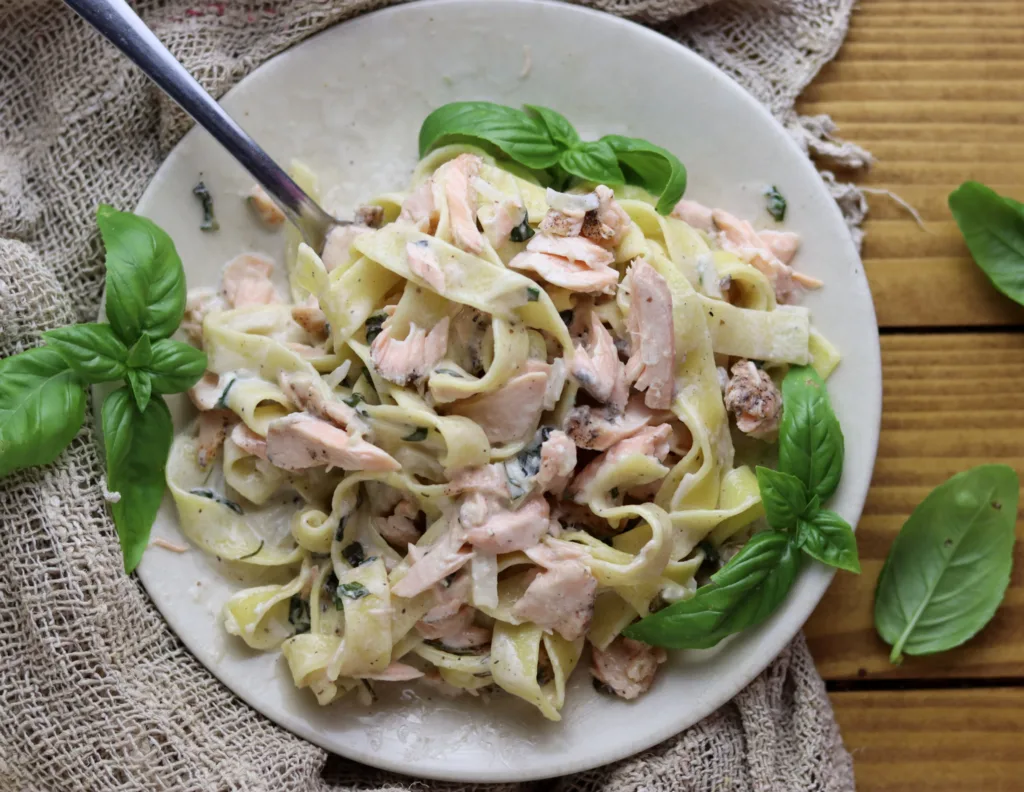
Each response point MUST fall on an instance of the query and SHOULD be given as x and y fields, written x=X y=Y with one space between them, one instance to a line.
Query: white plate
x=349 y=102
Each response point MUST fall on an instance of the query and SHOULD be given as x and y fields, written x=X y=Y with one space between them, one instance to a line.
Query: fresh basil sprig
x=948 y=569
x=749 y=588
x=993 y=228
x=42 y=391
x=544 y=140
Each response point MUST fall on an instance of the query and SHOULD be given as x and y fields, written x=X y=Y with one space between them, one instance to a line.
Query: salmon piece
x=449 y=597
x=597 y=368
x=627 y=667
x=607 y=225
x=561 y=598
x=509 y=413
x=246 y=281
x=500 y=529
x=399 y=528
x=600 y=429
x=754 y=399
x=695 y=215
x=651 y=441
x=574 y=249
x=559 y=223
x=413 y=357
x=302 y=391
x=369 y=215
x=566 y=274
x=486 y=480
x=424 y=264
x=199 y=303
x=461 y=197
x=248 y=441
x=338 y=243
x=652 y=334
x=429 y=567
x=213 y=430
x=300 y=441
x=456 y=631
x=739 y=237
x=418 y=208
x=782 y=244
x=310 y=318
x=396 y=672
x=557 y=463
x=268 y=212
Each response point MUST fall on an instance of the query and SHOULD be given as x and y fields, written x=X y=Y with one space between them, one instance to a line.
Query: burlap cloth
x=96 y=693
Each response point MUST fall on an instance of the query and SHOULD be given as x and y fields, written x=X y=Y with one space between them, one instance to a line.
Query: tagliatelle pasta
x=491 y=429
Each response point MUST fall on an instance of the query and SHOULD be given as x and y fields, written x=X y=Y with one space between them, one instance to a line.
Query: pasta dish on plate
x=490 y=424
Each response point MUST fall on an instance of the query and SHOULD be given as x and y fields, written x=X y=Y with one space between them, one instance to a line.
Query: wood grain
x=935 y=740
x=950 y=401
x=935 y=90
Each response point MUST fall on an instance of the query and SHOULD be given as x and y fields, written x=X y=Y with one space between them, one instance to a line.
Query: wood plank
x=950 y=401
x=935 y=740
x=935 y=90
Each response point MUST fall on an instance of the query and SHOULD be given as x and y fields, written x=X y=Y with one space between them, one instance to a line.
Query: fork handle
x=115 y=20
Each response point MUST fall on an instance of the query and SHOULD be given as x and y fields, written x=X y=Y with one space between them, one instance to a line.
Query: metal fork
x=123 y=28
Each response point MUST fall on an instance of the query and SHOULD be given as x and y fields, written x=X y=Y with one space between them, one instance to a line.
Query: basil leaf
x=137 y=444
x=351 y=591
x=416 y=435
x=142 y=387
x=141 y=352
x=92 y=351
x=829 y=538
x=42 y=406
x=948 y=569
x=810 y=440
x=145 y=279
x=993 y=228
x=557 y=125
x=784 y=497
x=742 y=594
x=656 y=170
x=174 y=366
x=776 y=203
x=511 y=131
x=595 y=162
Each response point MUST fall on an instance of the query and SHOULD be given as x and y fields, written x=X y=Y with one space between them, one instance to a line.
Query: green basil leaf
x=993 y=228
x=42 y=406
x=92 y=351
x=137 y=443
x=558 y=126
x=511 y=131
x=948 y=569
x=145 y=279
x=595 y=162
x=142 y=387
x=141 y=352
x=656 y=170
x=776 y=203
x=811 y=443
x=829 y=538
x=742 y=594
x=174 y=366
x=784 y=497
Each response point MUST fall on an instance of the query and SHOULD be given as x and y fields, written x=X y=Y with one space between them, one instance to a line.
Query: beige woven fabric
x=96 y=693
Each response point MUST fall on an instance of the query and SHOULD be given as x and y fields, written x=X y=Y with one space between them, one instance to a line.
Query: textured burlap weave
x=96 y=693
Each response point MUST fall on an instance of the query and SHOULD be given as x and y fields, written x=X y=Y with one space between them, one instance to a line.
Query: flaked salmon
x=199 y=303
x=460 y=196
x=510 y=413
x=246 y=281
x=301 y=441
x=651 y=366
x=494 y=527
x=339 y=241
x=263 y=206
x=651 y=441
x=429 y=567
x=561 y=597
x=248 y=441
x=601 y=428
x=626 y=667
x=411 y=358
x=424 y=264
x=755 y=400
x=597 y=368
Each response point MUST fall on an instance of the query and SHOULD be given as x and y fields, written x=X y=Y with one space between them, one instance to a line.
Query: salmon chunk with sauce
x=597 y=368
x=495 y=527
x=755 y=400
x=601 y=428
x=411 y=358
x=430 y=566
x=626 y=667
x=460 y=197
x=561 y=595
x=301 y=441
x=572 y=262
x=246 y=281
x=511 y=412
x=651 y=366
x=264 y=207
x=651 y=441
x=424 y=264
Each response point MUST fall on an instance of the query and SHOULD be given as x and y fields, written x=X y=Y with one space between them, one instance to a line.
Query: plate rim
x=794 y=613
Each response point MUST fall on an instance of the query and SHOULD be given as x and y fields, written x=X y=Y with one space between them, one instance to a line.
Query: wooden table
x=935 y=90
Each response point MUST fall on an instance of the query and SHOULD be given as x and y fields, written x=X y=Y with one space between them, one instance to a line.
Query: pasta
x=494 y=428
